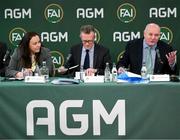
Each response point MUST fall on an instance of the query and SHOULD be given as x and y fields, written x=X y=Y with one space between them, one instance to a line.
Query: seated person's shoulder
x=45 y=50
x=164 y=47
x=162 y=43
x=3 y=45
x=76 y=46
x=101 y=46
x=135 y=41
x=16 y=53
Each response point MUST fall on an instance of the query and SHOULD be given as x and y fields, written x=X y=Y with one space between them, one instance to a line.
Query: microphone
x=6 y=56
x=68 y=57
x=65 y=68
x=5 y=62
x=159 y=56
x=67 y=60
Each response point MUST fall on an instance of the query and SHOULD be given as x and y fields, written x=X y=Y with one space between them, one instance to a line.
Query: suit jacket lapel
x=95 y=55
x=78 y=55
x=157 y=64
x=140 y=53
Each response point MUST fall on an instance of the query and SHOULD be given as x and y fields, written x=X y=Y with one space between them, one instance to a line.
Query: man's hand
x=62 y=70
x=171 y=57
x=121 y=70
x=90 y=72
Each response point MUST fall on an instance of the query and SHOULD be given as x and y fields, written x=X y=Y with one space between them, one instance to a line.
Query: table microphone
x=65 y=68
x=68 y=57
x=158 y=55
x=67 y=60
x=6 y=56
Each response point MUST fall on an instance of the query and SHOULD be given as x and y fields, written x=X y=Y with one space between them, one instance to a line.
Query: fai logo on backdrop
x=97 y=35
x=120 y=56
x=16 y=35
x=57 y=58
x=53 y=13
x=166 y=35
x=126 y=12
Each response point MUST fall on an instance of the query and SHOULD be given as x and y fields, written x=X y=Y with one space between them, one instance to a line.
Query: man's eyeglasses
x=87 y=41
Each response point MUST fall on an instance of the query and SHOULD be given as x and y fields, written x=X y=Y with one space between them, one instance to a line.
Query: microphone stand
x=68 y=65
x=5 y=63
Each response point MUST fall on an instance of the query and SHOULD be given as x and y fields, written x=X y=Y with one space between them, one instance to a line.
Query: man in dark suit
x=88 y=54
x=3 y=63
x=162 y=56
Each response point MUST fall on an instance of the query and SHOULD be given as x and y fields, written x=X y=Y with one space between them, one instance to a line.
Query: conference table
x=89 y=110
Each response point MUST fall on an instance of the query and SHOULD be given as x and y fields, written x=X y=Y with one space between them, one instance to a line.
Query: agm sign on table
x=98 y=112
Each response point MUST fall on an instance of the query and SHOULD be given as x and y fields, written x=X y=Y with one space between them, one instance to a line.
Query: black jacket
x=133 y=56
x=101 y=56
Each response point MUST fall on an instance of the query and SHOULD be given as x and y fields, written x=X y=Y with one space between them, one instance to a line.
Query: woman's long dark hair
x=25 y=52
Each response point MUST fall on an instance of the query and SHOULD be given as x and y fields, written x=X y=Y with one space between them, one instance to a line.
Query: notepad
x=64 y=81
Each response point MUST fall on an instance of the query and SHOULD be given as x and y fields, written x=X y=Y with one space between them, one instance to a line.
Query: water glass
x=26 y=72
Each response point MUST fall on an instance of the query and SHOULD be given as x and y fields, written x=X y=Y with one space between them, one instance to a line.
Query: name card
x=35 y=79
x=94 y=79
x=159 y=77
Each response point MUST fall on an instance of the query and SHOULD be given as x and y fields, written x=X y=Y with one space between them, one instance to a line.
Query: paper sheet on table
x=64 y=81
x=129 y=77
x=130 y=74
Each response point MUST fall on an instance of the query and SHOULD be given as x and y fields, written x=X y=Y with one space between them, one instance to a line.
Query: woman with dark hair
x=29 y=54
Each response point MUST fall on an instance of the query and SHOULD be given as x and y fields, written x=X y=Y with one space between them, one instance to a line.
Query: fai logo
x=53 y=13
x=16 y=35
x=126 y=12
x=97 y=35
x=120 y=56
x=166 y=35
x=57 y=58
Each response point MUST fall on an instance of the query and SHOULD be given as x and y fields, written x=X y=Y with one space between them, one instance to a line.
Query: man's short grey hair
x=87 y=29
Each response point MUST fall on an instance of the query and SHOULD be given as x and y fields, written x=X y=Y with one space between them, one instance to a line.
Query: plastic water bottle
x=107 y=73
x=37 y=71
x=82 y=74
x=44 y=71
x=114 y=73
x=144 y=71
